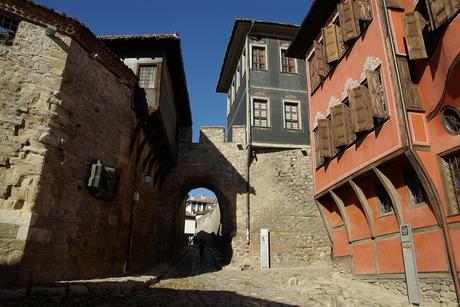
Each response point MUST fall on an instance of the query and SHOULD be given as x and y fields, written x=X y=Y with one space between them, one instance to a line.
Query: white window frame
x=266 y=56
x=299 y=114
x=281 y=63
x=269 y=117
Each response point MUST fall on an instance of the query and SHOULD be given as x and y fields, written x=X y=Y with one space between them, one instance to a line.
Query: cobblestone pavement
x=195 y=281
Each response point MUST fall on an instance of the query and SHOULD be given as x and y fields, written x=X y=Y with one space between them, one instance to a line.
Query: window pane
x=258 y=57
x=147 y=76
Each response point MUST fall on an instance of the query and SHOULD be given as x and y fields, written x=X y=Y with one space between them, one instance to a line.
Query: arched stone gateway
x=279 y=199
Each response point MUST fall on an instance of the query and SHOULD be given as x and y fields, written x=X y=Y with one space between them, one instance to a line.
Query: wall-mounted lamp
x=51 y=30
x=94 y=55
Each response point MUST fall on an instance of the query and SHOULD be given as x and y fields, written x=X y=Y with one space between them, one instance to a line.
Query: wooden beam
x=326 y=223
x=393 y=193
x=365 y=205
x=339 y=202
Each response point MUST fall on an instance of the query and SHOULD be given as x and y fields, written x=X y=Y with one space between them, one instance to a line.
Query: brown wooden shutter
x=348 y=21
x=333 y=42
x=440 y=11
x=319 y=158
x=315 y=79
x=360 y=108
x=322 y=67
x=341 y=125
x=413 y=27
x=325 y=138
x=376 y=93
x=410 y=90
x=363 y=9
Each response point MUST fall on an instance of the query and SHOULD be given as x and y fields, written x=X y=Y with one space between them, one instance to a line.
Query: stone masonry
x=61 y=109
x=280 y=187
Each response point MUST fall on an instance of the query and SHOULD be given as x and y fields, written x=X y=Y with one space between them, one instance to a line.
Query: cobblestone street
x=200 y=282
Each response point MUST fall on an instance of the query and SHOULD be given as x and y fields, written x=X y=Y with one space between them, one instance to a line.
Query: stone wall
x=32 y=70
x=280 y=197
x=61 y=109
x=282 y=202
x=434 y=289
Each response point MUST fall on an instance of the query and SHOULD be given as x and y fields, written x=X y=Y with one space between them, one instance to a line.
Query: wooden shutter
x=315 y=79
x=348 y=21
x=325 y=138
x=376 y=93
x=333 y=42
x=363 y=9
x=361 y=114
x=413 y=27
x=440 y=11
x=341 y=125
x=410 y=90
x=320 y=61
x=319 y=158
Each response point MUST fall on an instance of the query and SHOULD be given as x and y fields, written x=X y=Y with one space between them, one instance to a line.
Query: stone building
x=265 y=89
x=266 y=94
x=384 y=103
x=80 y=142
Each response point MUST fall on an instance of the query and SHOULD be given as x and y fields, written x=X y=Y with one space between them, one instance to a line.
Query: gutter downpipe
x=410 y=150
x=248 y=138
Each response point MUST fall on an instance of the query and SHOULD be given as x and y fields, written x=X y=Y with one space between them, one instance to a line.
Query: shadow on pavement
x=158 y=297
x=205 y=256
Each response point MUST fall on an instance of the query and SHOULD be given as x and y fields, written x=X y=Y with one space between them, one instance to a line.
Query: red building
x=384 y=95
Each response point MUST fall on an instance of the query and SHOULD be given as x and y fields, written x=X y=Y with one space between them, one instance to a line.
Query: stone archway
x=280 y=199
x=215 y=165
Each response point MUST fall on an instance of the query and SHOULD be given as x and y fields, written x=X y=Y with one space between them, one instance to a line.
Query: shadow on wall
x=211 y=164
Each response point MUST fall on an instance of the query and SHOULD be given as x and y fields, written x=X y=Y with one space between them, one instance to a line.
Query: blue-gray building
x=265 y=90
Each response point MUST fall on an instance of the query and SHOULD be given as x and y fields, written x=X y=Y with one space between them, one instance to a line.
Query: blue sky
x=203 y=25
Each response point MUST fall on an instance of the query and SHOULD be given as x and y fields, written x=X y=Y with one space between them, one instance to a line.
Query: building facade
x=385 y=128
x=72 y=184
x=265 y=89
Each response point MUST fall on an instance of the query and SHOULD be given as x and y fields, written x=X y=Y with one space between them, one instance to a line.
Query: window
x=416 y=194
x=147 y=74
x=383 y=199
x=288 y=65
x=291 y=115
x=260 y=112
x=451 y=120
x=451 y=165
x=258 y=58
x=8 y=28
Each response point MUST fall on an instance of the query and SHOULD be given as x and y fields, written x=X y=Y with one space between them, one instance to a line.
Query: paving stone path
x=196 y=281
